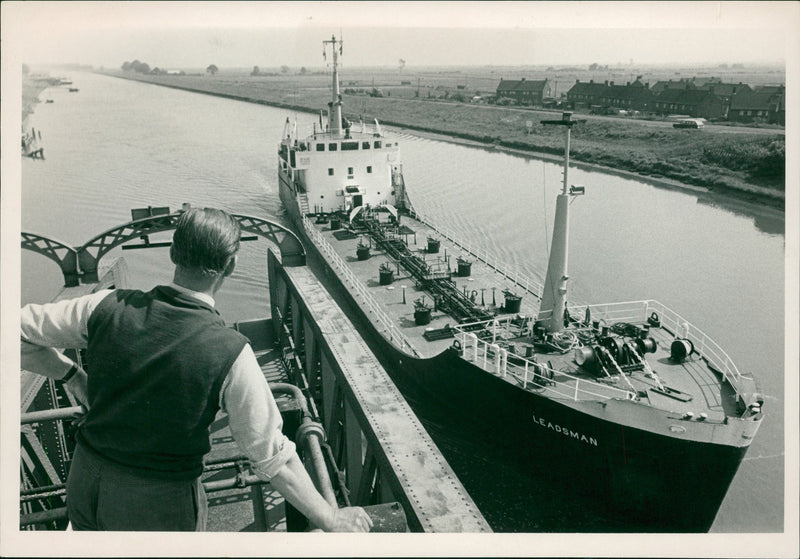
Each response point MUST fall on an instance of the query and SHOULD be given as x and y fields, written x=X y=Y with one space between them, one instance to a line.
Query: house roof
x=629 y=92
x=507 y=85
x=702 y=82
x=771 y=89
x=533 y=86
x=725 y=89
x=662 y=85
x=685 y=96
x=757 y=100
x=587 y=88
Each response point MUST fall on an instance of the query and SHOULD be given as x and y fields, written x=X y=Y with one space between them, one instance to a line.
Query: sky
x=271 y=34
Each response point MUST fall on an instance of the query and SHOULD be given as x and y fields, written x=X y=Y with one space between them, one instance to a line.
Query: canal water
x=117 y=145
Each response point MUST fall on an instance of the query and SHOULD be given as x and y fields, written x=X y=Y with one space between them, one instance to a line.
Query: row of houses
x=705 y=98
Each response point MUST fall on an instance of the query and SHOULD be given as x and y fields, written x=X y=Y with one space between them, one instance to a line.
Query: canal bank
x=618 y=147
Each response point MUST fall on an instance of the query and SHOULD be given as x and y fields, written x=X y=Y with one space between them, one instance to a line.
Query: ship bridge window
x=332 y=147
x=349 y=146
x=364 y=145
x=377 y=144
x=320 y=147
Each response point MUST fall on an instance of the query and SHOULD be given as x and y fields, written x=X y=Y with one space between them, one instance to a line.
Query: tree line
x=144 y=68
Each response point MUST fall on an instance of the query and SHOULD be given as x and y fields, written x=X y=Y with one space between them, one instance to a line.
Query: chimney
x=612 y=83
x=606 y=82
x=627 y=84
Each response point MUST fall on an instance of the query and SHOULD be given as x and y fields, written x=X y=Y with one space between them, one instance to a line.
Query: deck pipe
x=310 y=435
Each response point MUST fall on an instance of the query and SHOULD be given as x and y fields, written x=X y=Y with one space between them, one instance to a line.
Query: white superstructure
x=342 y=165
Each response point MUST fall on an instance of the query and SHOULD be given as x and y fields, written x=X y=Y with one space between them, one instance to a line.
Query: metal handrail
x=310 y=435
x=573 y=388
x=671 y=321
x=373 y=306
x=636 y=311
x=321 y=135
x=52 y=415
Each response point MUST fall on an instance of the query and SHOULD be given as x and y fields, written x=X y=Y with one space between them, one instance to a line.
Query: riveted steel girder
x=376 y=439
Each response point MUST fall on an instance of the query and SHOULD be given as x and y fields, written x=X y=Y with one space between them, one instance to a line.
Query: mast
x=335 y=105
x=554 y=297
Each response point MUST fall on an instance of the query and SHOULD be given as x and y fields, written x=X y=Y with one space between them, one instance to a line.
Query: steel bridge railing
x=310 y=437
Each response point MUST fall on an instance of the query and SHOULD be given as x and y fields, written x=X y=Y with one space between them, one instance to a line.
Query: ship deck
x=486 y=281
x=689 y=386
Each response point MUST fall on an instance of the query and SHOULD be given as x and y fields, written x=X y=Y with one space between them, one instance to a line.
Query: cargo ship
x=628 y=403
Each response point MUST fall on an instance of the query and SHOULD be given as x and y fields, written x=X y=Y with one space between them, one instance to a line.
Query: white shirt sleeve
x=63 y=324
x=253 y=415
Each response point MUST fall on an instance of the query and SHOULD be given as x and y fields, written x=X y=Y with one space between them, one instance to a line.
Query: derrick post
x=554 y=298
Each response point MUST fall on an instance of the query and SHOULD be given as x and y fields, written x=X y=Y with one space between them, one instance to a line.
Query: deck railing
x=356 y=129
x=703 y=344
x=511 y=274
x=672 y=322
x=394 y=333
x=499 y=361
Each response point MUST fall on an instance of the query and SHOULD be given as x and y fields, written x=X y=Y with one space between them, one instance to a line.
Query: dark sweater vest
x=156 y=363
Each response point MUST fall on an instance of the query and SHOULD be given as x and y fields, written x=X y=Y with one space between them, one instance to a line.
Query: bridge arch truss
x=80 y=264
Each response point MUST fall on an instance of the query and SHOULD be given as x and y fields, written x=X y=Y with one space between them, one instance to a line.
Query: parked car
x=688 y=124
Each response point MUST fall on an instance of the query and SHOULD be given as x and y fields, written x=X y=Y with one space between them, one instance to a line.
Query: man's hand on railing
x=78 y=386
x=349 y=519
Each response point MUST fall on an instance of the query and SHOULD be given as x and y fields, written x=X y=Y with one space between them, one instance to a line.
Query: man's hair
x=204 y=240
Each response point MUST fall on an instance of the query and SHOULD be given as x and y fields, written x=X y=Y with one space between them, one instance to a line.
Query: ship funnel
x=554 y=298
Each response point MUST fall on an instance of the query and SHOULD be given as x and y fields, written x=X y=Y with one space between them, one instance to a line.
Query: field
x=747 y=161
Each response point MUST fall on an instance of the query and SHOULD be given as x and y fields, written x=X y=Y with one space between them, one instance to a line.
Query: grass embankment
x=729 y=159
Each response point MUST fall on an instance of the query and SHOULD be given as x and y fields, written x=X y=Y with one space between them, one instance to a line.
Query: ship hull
x=660 y=483
x=657 y=482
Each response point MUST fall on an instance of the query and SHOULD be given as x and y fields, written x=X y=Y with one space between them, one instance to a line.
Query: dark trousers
x=105 y=496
